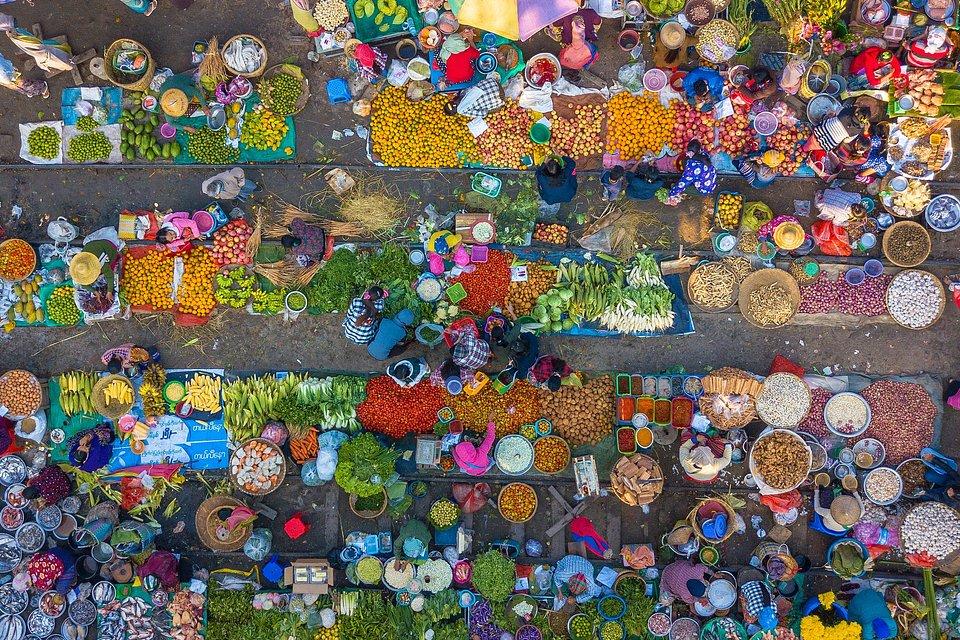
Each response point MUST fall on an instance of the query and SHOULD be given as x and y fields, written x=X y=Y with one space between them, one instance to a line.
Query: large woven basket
x=256 y=73
x=367 y=515
x=943 y=301
x=139 y=85
x=903 y=224
x=100 y=406
x=765 y=278
x=291 y=70
x=711 y=503
x=282 y=474
x=207 y=522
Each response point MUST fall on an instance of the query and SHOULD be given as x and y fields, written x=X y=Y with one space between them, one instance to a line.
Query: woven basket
x=904 y=224
x=282 y=474
x=256 y=73
x=139 y=85
x=100 y=406
x=551 y=473
x=536 y=503
x=628 y=494
x=291 y=70
x=723 y=423
x=764 y=278
x=695 y=522
x=368 y=515
x=207 y=523
x=943 y=301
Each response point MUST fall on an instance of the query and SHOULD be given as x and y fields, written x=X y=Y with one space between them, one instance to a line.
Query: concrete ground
x=92 y=197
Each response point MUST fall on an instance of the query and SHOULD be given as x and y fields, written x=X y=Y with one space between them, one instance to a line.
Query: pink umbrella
x=514 y=19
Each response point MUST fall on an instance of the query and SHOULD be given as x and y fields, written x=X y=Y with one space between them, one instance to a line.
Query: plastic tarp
x=514 y=19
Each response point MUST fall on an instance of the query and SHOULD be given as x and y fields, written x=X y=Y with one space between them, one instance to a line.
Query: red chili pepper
x=488 y=285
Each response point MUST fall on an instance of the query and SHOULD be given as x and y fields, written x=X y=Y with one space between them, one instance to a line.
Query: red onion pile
x=866 y=299
x=903 y=416
x=820 y=296
x=814 y=423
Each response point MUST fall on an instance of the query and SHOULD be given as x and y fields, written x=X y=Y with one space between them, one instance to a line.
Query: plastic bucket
x=204 y=221
x=873 y=268
x=540 y=133
x=628 y=39
x=855 y=276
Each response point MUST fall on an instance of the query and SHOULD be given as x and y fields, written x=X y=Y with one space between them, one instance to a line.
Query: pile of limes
x=89 y=147
x=210 y=147
x=61 y=308
x=281 y=93
x=44 y=142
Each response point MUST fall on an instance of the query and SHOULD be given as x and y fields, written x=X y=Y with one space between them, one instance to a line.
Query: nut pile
x=883 y=485
x=903 y=416
x=915 y=299
x=771 y=306
x=711 y=286
x=781 y=460
x=784 y=400
x=581 y=415
x=907 y=244
x=932 y=528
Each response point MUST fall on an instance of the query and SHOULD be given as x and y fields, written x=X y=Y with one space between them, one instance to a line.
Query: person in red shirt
x=875 y=67
x=929 y=49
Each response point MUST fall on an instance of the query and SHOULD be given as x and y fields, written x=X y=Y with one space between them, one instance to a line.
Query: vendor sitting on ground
x=929 y=49
x=835 y=515
x=48 y=487
x=231 y=184
x=477 y=101
x=91 y=449
x=873 y=68
x=391 y=337
x=612 y=181
x=760 y=169
x=363 y=315
x=176 y=231
x=475 y=460
x=698 y=171
x=409 y=371
x=703 y=458
x=579 y=51
x=129 y=359
x=457 y=60
x=470 y=352
x=870 y=610
x=759 y=85
x=549 y=372
x=644 y=182
x=684 y=580
x=557 y=181
x=757 y=604
x=703 y=88
x=853 y=154
x=525 y=350
x=942 y=473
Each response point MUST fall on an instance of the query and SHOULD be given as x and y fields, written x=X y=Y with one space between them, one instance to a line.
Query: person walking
x=556 y=183
x=14 y=80
x=363 y=315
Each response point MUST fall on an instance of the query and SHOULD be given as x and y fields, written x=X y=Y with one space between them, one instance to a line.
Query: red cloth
x=785 y=365
x=365 y=55
x=716 y=445
x=831 y=239
x=44 y=569
x=460 y=65
x=878 y=73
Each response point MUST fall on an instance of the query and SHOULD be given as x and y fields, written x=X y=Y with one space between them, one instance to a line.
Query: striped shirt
x=352 y=329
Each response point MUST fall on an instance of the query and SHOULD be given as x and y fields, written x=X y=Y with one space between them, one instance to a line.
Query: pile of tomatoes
x=395 y=411
x=488 y=284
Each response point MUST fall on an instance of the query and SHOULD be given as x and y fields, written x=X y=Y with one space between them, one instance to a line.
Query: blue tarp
x=111 y=99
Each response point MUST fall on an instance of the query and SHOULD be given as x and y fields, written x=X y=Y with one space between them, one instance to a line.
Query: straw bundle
x=212 y=64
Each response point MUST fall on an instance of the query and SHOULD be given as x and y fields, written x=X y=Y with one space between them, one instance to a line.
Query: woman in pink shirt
x=177 y=230
x=474 y=460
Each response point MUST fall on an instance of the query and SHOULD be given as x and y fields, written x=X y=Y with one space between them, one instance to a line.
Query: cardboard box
x=309 y=576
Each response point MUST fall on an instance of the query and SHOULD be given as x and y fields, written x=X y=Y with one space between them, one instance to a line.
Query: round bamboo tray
x=943 y=300
x=765 y=278
x=281 y=474
x=807 y=399
x=725 y=424
x=899 y=226
x=304 y=88
x=561 y=469
x=207 y=523
x=367 y=515
x=695 y=521
x=100 y=406
x=139 y=85
x=17 y=242
x=627 y=493
x=536 y=502
x=734 y=292
x=256 y=73
x=897 y=212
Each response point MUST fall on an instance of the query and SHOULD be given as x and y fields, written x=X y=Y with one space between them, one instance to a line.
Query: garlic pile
x=914 y=299
x=933 y=528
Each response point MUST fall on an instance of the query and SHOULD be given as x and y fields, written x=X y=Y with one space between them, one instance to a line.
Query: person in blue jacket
x=557 y=181
x=391 y=336
x=870 y=609
x=704 y=88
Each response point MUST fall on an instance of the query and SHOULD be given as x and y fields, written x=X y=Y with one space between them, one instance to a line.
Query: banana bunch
x=825 y=12
x=203 y=393
x=118 y=392
x=249 y=403
x=594 y=288
x=151 y=390
x=76 y=388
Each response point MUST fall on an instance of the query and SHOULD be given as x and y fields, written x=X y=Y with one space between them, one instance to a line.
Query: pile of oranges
x=195 y=293
x=147 y=281
x=419 y=134
x=637 y=125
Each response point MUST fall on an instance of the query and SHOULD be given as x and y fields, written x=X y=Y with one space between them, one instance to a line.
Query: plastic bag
x=599 y=241
x=755 y=215
x=631 y=77
x=471 y=497
x=535 y=99
x=831 y=239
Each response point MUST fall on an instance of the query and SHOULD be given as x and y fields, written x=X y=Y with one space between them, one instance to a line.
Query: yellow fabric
x=304 y=17
x=498 y=16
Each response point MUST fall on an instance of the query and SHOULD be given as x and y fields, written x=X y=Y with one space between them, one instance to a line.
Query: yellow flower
x=827 y=599
x=812 y=628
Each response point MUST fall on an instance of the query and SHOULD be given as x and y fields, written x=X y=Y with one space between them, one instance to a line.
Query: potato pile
x=522 y=296
x=581 y=415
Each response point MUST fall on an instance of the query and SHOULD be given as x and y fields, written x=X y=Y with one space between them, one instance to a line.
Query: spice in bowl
x=912 y=474
x=658 y=624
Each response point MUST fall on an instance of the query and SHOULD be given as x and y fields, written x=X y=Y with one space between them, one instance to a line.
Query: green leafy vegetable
x=494 y=575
